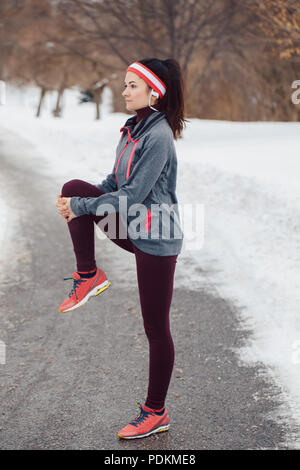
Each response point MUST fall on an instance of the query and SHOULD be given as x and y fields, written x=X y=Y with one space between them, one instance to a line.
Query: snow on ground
x=246 y=177
x=3 y=224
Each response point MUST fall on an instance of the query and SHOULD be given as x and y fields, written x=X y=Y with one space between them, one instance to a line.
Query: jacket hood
x=136 y=131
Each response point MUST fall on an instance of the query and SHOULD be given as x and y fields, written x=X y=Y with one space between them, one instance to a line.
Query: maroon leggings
x=155 y=276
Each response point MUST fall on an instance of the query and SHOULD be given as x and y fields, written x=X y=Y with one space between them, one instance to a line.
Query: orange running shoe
x=147 y=422
x=83 y=289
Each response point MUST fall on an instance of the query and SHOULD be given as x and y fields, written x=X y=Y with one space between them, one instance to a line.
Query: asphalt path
x=71 y=381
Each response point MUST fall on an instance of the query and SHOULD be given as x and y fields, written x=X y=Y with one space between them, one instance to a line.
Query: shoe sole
x=159 y=429
x=97 y=290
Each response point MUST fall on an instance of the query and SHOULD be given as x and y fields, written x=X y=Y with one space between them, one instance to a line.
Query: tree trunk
x=97 y=95
x=57 y=110
x=42 y=95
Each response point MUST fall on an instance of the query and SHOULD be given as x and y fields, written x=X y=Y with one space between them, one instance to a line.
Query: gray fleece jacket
x=142 y=187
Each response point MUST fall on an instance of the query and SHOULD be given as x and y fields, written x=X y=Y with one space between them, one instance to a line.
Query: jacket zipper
x=130 y=160
x=131 y=155
x=119 y=161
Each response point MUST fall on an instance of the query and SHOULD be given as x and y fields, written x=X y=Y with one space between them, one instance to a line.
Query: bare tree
x=8 y=12
x=237 y=56
x=278 y=24
x=161 y=28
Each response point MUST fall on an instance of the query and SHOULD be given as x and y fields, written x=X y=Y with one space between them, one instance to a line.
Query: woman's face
x=136 y=92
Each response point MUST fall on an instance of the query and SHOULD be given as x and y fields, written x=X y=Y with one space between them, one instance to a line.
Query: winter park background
x=238 y=158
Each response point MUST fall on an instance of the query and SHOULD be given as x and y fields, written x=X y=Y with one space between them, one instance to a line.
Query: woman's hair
x=172 y=103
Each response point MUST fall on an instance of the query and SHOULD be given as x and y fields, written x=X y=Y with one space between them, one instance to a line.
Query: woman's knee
x=157 y=334
x=70 y=188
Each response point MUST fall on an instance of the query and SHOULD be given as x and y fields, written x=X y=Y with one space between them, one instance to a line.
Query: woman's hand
x=64 y=208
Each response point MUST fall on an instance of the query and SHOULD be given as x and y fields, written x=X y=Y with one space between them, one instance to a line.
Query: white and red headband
x=146 y=74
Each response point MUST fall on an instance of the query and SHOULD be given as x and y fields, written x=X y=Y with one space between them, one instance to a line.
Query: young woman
x=144 y=176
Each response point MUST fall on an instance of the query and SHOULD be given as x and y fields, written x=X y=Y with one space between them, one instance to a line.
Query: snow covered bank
x=3 y=224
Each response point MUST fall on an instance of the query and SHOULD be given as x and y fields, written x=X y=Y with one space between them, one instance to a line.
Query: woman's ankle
x=87 y=274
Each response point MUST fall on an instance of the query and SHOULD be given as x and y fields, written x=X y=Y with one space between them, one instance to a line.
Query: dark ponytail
x=172 y=103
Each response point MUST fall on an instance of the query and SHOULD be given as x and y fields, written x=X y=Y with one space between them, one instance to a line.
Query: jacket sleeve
x=143 y=177
x=109 y=184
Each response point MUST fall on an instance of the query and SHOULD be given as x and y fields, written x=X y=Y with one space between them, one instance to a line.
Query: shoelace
x=141 y=417
x=75 y=285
